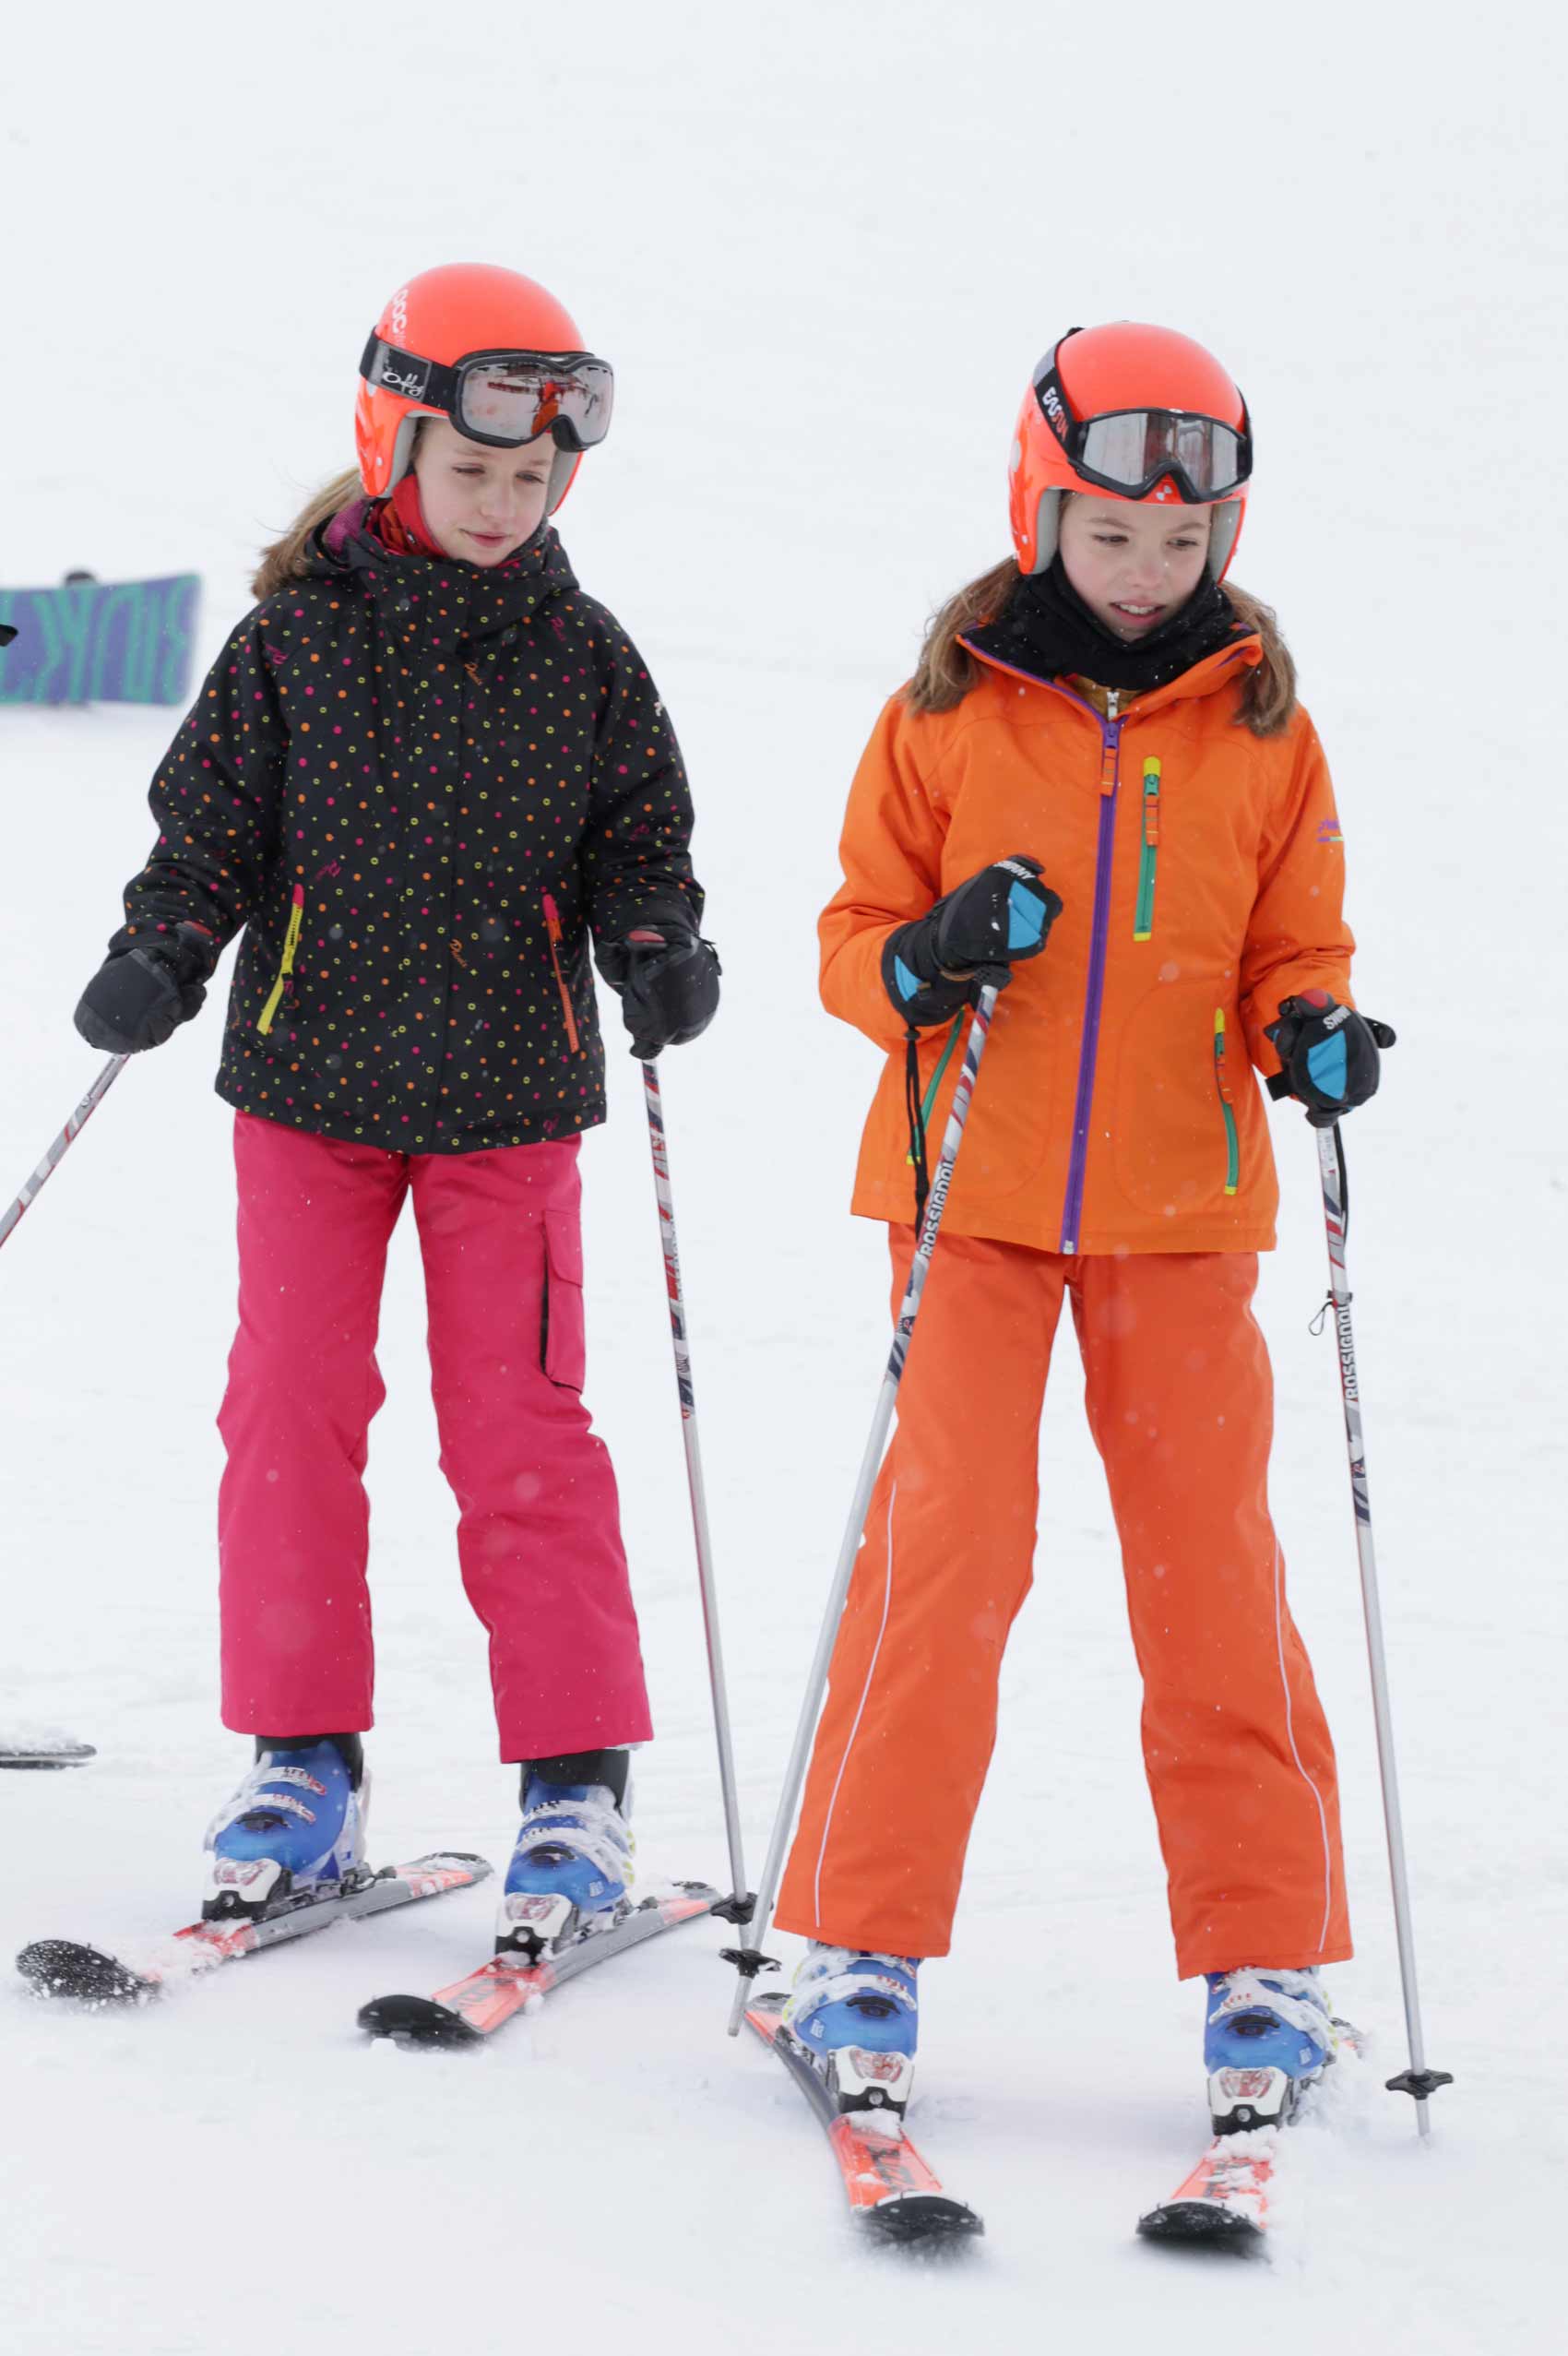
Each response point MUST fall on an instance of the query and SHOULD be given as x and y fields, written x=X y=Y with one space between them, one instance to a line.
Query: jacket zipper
x=286 y=968
x=1227 y=1106
x=1110 y=779
x=553 y=926
x=1148 y=853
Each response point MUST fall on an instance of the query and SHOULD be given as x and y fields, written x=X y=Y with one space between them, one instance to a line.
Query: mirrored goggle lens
x=514 y=400
x=1134 y=448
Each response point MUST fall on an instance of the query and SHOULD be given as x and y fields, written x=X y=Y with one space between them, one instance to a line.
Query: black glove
x=668 y=978
x=139 y=996
x=1329 y=1053
x=999 y=917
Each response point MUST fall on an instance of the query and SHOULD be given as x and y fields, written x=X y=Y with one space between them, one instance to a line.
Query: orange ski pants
x=1236 y=1747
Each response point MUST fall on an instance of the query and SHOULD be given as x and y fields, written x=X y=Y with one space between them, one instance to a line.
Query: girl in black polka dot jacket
x=422 y=774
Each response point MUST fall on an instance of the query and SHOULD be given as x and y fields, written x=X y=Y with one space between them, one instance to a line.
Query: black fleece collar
x=1046 y=628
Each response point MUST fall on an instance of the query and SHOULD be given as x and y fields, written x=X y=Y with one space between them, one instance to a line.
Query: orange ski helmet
x=1132 y=412
x=491 y=350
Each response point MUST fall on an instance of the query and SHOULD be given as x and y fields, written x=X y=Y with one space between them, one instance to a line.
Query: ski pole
x=737 y=1906
x=83 y=1113
x=749 y=1961
x=1417 y=2080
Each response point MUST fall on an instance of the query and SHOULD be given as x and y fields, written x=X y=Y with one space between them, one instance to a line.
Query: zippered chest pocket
x=1148 y=851
x=1227 y=1106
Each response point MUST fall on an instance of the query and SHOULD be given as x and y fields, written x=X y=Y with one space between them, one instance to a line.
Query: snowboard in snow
x=66 y=1967
x=99 y=642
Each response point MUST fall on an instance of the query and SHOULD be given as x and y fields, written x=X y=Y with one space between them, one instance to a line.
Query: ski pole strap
x=921 y=1107
x=915 y=1110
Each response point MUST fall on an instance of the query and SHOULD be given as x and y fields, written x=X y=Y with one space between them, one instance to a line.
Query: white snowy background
x=823 y=246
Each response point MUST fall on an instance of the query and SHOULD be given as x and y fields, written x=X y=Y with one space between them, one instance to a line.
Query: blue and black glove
x=1330 y=1056
x=993 y=921
x=140 y=995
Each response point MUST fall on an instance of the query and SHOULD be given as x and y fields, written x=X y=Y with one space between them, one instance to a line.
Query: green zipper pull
x=1148 y=854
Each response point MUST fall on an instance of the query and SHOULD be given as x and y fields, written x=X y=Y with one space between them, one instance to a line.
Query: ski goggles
x=503 y=398
x=1131 y=451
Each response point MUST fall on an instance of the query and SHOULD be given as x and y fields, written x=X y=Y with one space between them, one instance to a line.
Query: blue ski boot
x=857 y=2015
x=293 y=1831
x=1268 y=2034
x=572 y=1865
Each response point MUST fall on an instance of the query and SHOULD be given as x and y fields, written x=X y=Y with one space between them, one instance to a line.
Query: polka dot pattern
x=397 y=775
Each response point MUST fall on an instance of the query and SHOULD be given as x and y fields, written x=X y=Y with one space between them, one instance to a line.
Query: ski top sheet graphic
x=1226 y=2197
x=89 y=642
x=474 y=2008
x=892 y=2192
x=92 y=1977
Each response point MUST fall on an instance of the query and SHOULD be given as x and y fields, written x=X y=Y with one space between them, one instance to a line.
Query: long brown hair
x=946 y=670
x=285 y=560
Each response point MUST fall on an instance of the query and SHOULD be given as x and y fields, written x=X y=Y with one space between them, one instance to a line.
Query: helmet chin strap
x=1225 y=522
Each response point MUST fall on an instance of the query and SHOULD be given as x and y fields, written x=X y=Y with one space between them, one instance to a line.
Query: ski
x=1225 y=2200
x=475 y=2008
x=893 y=2195
x=1226 y=2197
x=66 y=1968
x=49 y=1751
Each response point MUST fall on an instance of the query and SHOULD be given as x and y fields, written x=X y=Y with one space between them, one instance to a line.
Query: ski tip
x=416 y=2020
x=1209 y=2223
x=931 y=2218
x=478 y=1869
x=62 y=1967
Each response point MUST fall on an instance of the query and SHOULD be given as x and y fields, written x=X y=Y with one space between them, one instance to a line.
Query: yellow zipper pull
x=290 y=943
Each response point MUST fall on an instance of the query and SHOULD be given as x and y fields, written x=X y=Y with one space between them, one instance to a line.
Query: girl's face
x=1134 y=563
x=480 y=503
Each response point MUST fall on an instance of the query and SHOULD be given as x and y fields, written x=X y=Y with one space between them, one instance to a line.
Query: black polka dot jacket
x=420 y=787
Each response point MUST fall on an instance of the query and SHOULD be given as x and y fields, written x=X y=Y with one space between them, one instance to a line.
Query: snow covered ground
x=822 y=246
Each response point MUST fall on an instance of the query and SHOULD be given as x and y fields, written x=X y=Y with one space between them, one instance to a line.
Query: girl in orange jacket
x=1106 y=703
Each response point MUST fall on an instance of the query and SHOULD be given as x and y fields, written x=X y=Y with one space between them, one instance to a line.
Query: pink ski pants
x=538 y=1534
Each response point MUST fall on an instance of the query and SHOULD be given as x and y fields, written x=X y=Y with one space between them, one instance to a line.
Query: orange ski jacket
x=1201 y=872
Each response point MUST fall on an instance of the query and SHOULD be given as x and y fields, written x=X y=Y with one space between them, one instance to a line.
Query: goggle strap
x=413 y=379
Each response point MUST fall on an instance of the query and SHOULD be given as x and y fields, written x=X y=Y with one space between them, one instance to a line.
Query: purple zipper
x=1089 y=1052
x=1072 y=1210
